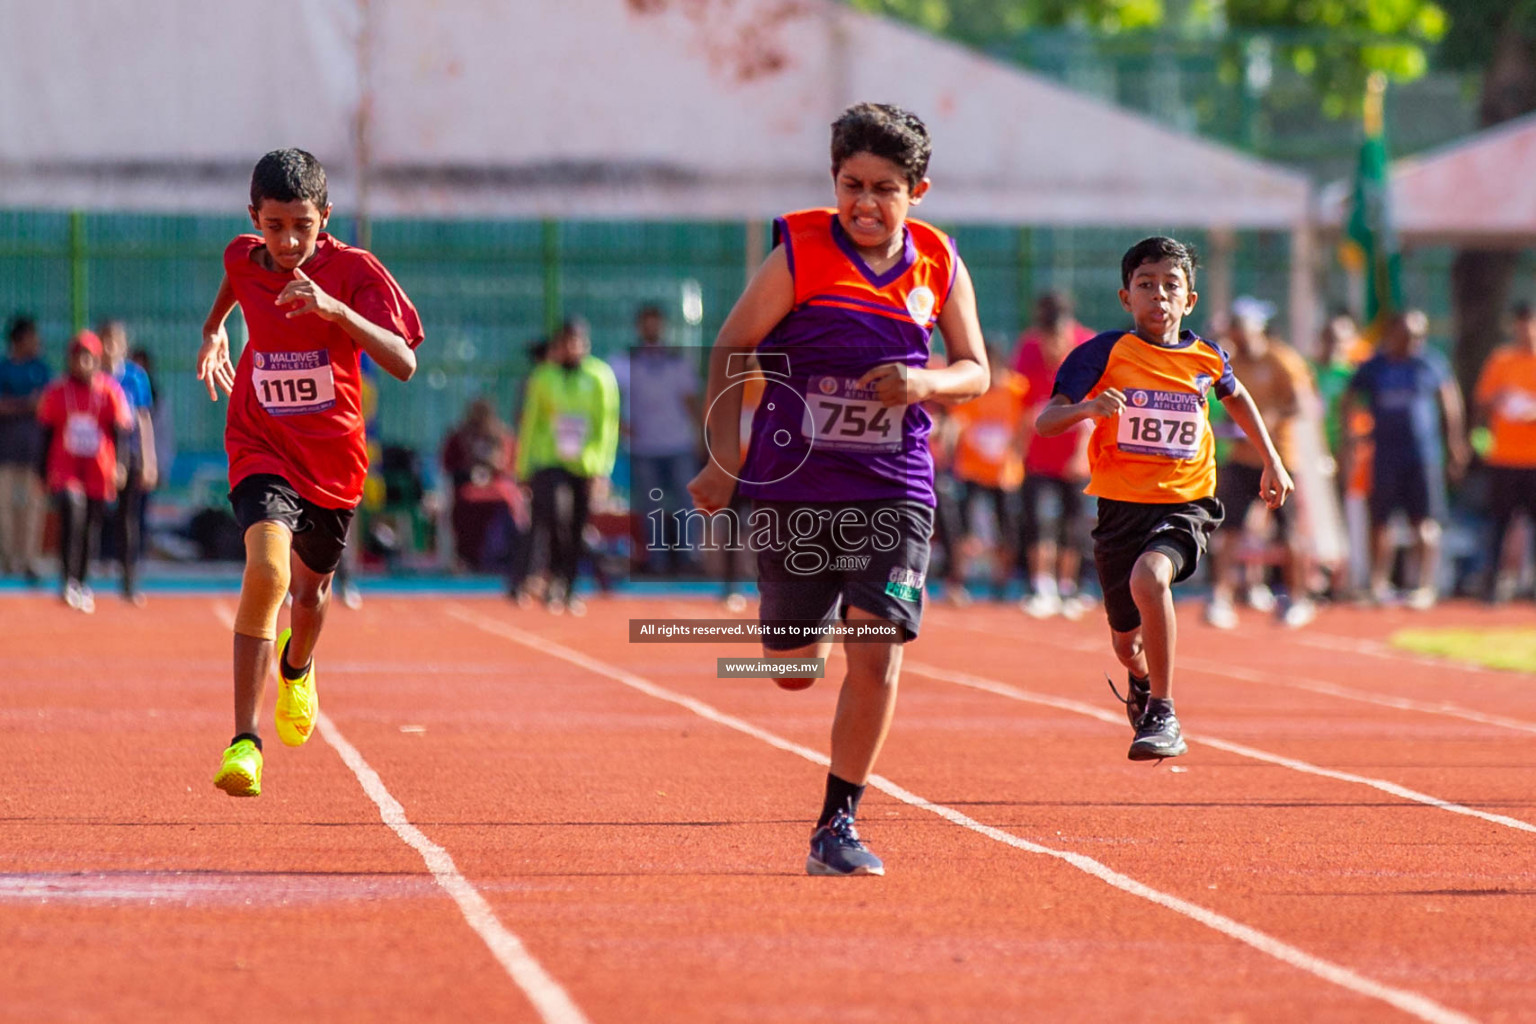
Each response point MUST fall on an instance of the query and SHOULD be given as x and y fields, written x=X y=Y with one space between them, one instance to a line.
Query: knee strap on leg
x=265 y=583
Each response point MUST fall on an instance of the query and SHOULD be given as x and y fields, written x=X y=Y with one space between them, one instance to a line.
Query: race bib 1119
x=293 y=383
x=1166 y=423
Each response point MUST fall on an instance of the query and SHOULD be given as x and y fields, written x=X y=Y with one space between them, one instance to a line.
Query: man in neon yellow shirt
x=567 y=440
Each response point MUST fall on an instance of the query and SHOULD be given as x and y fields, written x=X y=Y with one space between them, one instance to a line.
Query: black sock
x=1140 y=682
x=247 y=736
x=290 y=674
x=841 y=796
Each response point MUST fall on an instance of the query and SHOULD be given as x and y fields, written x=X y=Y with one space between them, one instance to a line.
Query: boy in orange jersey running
x=1153 y=468
x=847 y=300
x=297 y=452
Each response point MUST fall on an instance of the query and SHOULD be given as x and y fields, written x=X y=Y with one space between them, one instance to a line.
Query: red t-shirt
x=84 y=450
x=297 y=407
x=1065 y=455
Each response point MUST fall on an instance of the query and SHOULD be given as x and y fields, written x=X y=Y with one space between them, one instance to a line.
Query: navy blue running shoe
x=1138 y=691
x=1157 y=734
x=836 y=850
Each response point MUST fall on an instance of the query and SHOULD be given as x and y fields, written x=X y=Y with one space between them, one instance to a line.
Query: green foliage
x=1335 y=43
x=1475 y=27
x=1340 y=43
x=979 y=22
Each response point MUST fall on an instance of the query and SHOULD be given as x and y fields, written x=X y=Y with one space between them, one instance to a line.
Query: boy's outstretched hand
x=1275 y=485
x=310 y=297
x=213 y=365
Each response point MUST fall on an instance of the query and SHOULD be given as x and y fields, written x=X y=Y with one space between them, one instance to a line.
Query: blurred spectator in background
x=528 y=571
x=488 y=511
x=1279 y=381
x=126 y=518
x=23 y=377
x=947 y=563
x=1340 y=349
x=663 y=418
x=161 y=413
x=1417 y=417
x=84 y=418
x=1332 y=372
x=1053 y=526
x=988 y=464
x=567 y=442
x=1505 y=401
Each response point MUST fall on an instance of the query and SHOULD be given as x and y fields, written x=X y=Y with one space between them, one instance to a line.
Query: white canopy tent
x=580 y=108
x=1478 y=191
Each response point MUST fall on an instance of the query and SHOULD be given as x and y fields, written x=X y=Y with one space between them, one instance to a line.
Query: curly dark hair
x=289 y=175
x=1155 y=250
x=886 y=131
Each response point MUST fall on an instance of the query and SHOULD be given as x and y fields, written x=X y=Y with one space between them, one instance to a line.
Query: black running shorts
x=319 y=534
x=1127 y=529
x=829 y=557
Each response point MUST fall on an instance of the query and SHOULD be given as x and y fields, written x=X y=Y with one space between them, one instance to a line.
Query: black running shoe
x=836 y=850
x=1138 y=691
x=1157 y=734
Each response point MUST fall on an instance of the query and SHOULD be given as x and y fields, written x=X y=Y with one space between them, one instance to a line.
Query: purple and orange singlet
x=817 y=436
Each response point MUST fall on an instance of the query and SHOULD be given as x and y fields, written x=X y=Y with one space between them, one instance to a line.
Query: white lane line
x=1118 y=720
x=1411 y=1003
x=1446 y=709
x=543 y=991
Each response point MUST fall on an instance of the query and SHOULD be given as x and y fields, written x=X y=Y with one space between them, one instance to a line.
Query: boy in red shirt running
x=84 y=414
x=294 y=435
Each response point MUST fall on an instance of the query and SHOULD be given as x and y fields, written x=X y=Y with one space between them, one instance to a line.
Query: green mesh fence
x=487 y=289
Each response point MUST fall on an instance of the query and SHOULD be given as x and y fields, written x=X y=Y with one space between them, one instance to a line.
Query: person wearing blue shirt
x=23 y=376
x=1418 y=418
x=143 y=470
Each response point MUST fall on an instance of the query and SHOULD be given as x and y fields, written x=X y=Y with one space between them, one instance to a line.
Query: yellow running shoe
x=298 y=703
x=240 y=774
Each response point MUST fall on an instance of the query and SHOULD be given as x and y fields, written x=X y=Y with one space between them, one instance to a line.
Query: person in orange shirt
x=1505 y=400
x=1279 y=381
x=989 y=462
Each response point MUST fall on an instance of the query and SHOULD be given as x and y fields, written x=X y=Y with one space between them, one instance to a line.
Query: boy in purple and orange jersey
x=295 y=435
x=847 y=300
x=1153 y=468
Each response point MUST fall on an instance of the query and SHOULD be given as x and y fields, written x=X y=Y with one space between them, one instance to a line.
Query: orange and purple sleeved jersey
x=1159 y=449
x=829 y=439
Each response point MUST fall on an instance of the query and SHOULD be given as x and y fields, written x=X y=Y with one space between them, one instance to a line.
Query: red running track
x=1352 y=836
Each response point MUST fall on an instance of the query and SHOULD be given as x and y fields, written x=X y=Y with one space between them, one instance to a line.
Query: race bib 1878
x=840 y=416
x=291 y=383
x=1166 y=423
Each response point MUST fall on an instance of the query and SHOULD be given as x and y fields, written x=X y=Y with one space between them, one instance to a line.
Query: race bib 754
x=841 y=416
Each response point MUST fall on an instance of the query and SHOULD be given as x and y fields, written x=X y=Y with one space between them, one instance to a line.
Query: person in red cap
x=84 y=414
